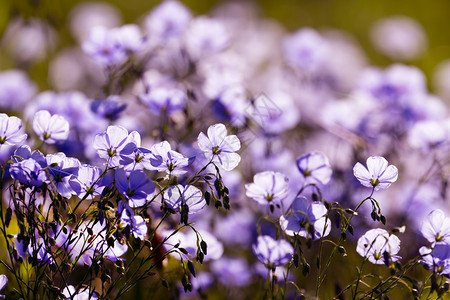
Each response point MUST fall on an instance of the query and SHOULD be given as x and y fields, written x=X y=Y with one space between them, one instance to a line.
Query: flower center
x=2 y=139
x=216 y=150
x=374 y=182
x=111 y=152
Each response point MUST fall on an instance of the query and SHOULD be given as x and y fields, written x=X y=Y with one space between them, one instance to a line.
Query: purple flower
x=83 y=294
x=377 y=175
x=88 y=181
x=137 y=225
x=11 y=132
x=379 y=247
x=50 y=129
x=189 y=241
x=164 y=159
x=219 y=147
x=102 y=47
x=305 y=50
x=437 y=227
x=138 y=188
x=437 y=258
x=85 y=246
x=164 y=101
x=275 y=118
x=272 y=252
x=28 y=172
x=315 y=168
x=15 y=89
x=60 y=168
x=268 y=188
x=427 y=135
x=3 y=282
x=300 y=214
x=167 y=20
x=177 y=196
x=110 y=108
x=205 y=36
x=116 y=144
x=396 y=82
x=232 y=271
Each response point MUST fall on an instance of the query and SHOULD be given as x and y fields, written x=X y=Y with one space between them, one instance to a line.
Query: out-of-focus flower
x=300 y=214
x=3 y=282
x=379 y=247
x=83 y=294
x=205 y=36
x=103 y=47
x=15 y=89
x=164 y=159
x=436 y=228
x=272 y=252
x=268 y=188
x=219 y=147
x=305 y=50
x=138 y=188
x=377 y=175
x=315 y=168
x=399 y=38
x=28 y=40
x=168 y=20
x=232 y=271
x=50 y=128
x=189 y=241
x=275 y=113
x=87 y=15
x=177 y=196
x=11 y=132
x=115 y=144
x=164 y=101
x=427 y=135
x=394 y=83
x=110 y=108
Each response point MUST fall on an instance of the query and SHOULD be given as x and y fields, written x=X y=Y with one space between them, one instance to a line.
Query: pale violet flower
x=168 y=20
x=206 y=36
x=268 y=188
x=437 y=258
x=219 y=147
x=314 y=168
x=305 y=50
x=50 y=128
x=272 y=252
x=436 y=228
x=379 y=247
x=11 y=132
x=3 y=282
x=164 y=159
x=377 y=175
x=164 y=101
x=83 y=294
x=115 y=145
x=177 y=196
x=300 y=214
x=138 y=188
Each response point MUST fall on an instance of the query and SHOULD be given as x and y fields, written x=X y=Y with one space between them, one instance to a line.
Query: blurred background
x=358 y=18
x=40 y=36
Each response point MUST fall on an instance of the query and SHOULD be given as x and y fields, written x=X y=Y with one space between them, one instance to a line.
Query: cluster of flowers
x=113 y=168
